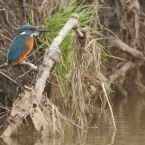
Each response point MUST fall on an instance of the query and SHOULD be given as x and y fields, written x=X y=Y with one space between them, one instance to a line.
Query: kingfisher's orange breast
x=28 y=47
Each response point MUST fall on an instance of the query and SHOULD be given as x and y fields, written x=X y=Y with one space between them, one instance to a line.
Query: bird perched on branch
x=22 y=44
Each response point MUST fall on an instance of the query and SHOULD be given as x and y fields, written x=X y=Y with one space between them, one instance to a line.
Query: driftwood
x=126 y=48
x=32 y=102
x=122 y=71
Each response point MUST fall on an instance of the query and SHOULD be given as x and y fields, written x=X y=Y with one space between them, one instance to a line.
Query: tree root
x=122 y=71
x=120 y=44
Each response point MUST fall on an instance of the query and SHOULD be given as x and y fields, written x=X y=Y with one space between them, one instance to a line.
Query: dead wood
x=122 y=71
x=126 y=48
x=31 y=66
x=108 y=101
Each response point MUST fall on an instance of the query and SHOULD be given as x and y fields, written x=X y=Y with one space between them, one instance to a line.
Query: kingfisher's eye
x=33 y=29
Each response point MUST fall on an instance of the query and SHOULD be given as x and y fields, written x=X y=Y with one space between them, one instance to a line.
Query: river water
x=129 y=116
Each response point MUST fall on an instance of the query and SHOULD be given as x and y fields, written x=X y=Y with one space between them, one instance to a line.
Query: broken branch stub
x=34 y=96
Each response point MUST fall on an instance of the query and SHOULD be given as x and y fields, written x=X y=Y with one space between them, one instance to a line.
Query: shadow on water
x=129 y=118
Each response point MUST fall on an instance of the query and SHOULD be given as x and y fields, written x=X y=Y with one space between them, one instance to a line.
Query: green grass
x=31 y=17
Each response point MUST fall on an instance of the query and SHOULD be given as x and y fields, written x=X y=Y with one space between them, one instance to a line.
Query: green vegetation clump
x=56 y=22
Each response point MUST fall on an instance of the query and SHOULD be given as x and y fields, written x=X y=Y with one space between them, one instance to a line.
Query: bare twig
x=30 y=65
x=6 y=37
x=8 y=77
x=7 y=17
x=104 y=90
x=2 y=106
x=28 y=88
x=43 y=3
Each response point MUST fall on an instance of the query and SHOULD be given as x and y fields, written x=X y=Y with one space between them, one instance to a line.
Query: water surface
x=129 y=116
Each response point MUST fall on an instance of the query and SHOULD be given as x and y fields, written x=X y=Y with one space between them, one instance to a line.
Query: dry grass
x=84 y=81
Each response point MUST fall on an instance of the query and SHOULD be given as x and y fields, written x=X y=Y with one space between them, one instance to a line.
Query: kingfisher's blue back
x=17 y=47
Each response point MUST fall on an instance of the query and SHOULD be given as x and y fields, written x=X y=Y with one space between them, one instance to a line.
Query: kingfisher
x=22 y=44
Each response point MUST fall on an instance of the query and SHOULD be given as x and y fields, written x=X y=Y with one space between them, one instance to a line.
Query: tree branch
x=119 y=43
x=122 y=71
x=30 y=65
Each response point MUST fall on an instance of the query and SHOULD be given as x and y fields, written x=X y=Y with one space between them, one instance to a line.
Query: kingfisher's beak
x=42 y=30
x=38 y=31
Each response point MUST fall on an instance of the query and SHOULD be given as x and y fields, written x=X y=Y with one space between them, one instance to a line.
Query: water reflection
x=129 y=117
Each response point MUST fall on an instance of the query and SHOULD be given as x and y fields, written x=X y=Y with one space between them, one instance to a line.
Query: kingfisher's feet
x=22 y=61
